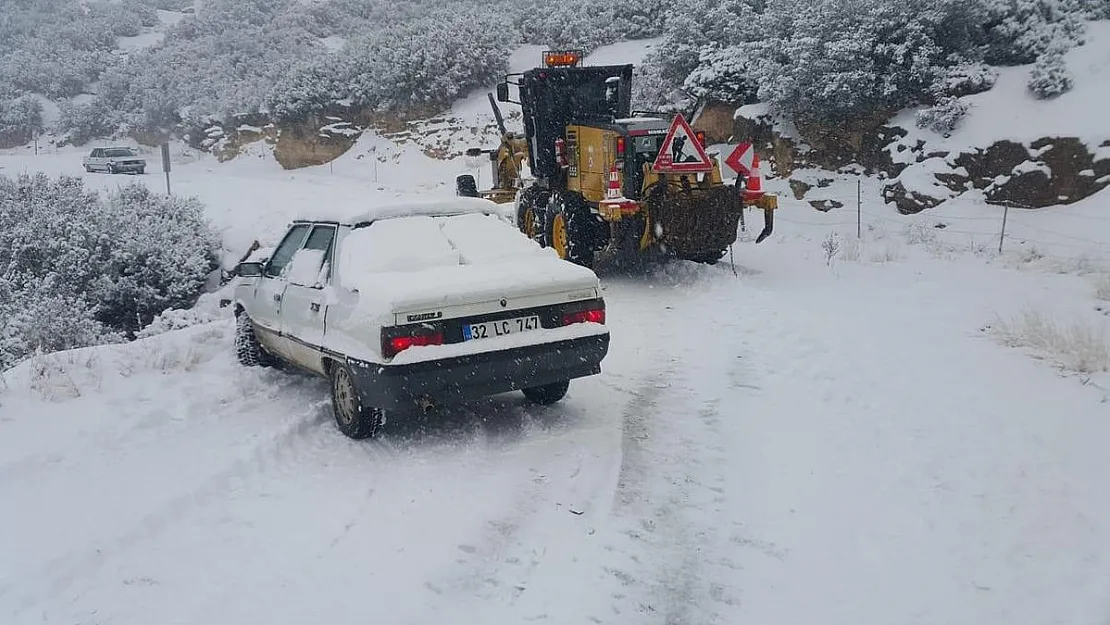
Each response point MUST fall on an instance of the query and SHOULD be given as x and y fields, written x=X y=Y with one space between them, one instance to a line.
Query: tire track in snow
x=673 y=558
x=57 y=576
x=494 y=565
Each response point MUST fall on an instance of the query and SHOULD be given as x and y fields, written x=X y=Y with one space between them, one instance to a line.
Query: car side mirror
x=503 y=92
x=250 y=270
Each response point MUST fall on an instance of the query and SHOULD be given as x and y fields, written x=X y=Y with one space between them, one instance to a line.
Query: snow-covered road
x=778 y=447
x=798 y=443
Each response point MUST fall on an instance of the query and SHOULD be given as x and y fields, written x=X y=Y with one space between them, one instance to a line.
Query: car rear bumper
x=129 y=166
x=402 y=387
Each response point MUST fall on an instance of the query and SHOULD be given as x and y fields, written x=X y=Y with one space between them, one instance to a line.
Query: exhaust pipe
x=426 y=405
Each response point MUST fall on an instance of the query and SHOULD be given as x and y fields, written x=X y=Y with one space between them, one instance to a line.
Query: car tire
x=548 y=393
x=142 y=171
x=247 y=348
x=353 y=418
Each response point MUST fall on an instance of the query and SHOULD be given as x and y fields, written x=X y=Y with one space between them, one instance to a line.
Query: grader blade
x=697 y=223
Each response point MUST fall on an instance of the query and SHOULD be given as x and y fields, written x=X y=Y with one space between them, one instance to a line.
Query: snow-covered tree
x=963 y=78
x=1050 y=77
x=697 y=30
x=21 y=117
x=1020 y=31
x=944 y=116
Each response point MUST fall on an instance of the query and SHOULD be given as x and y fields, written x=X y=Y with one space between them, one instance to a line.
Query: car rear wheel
x=548 y=393
x=352 y=417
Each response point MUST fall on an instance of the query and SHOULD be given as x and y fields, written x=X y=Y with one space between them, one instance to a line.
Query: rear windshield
x=118 y=152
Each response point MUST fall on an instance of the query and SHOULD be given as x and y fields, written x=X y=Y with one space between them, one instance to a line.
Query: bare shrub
x=1079 y=346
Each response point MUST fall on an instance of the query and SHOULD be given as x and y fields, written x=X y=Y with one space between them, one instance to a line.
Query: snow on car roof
x=423 y=207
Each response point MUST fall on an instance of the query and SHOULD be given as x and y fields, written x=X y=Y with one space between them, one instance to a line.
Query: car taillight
x=594 y=315
x=395 y=345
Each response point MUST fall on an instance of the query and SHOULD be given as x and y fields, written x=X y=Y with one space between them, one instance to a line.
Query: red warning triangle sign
x=681 y=153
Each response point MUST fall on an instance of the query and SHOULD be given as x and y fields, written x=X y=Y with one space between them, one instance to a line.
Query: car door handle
x=277 y=297
x=315 y=306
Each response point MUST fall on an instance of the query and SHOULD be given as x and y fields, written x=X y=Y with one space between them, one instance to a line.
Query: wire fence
x=988 y=226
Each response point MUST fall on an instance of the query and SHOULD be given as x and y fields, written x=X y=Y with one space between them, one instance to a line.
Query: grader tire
x=567 y=230
x=529 y=219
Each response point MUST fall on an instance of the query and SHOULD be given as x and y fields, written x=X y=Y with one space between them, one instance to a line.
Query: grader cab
x=605 y=180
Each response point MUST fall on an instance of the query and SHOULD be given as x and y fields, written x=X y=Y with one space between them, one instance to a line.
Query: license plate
x=490 y=329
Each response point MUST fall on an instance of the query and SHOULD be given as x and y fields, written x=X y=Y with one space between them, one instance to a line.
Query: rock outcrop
x=1045 y=172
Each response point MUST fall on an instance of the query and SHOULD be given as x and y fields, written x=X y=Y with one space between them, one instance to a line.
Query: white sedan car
x=413 y=305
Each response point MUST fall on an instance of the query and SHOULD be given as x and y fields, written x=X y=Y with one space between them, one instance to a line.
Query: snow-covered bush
x=1102 y=287
x=1020 y=31
x=42 y=314
x=833 y=61
x=82 y=121
x=20 y=117
x=839 y=61
x=586 y=24
x=77 y=268
x=1050 y=77
x=59 y=47
x=1090 y=9
x=694 y=29
x=721 y=75
x=964 y=78
x=944 y=116
x=161 y=255
x=425 y=63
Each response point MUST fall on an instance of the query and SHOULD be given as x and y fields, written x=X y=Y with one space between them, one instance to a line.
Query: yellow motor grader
x=605 y=180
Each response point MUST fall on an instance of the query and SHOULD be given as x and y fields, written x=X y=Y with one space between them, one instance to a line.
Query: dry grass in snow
x=1079 y=346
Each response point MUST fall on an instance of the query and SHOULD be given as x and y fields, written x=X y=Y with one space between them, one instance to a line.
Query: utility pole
x=1002 y=236
x=166 y=164
x=859 y=209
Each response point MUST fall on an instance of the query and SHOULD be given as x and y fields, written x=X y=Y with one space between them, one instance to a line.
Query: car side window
x=285 y=250
x=321 y=239
x=310 y=261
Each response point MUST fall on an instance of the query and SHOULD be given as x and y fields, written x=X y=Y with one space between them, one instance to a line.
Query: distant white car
x=114 y=160
x=414 y=305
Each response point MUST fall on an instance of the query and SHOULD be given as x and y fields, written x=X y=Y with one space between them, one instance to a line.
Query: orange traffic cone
x=753 y=190
x=614 y=190
x=615 y=203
